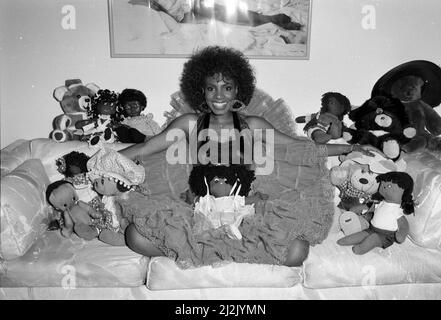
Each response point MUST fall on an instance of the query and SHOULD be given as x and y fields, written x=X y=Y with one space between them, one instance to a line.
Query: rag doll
x=417 y=84
x=328 y=123
x=388 y=223
x=135 y=127
x=103 y=117
x=356 y=180
x=222 y=196
x=113 y=176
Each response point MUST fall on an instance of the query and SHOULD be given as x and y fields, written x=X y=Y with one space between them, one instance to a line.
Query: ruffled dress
x=300 y=206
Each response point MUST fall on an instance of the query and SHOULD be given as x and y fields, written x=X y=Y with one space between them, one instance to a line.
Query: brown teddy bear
x=418 y=85
x=75 y=98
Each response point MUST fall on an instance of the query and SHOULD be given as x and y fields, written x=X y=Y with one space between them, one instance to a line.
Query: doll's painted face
x=335 y=107
x=106 y=108
x=219 y=187
x=391 y=192
x=219 y=93
x=132 y=108
x=105 y=186
x=64 y=197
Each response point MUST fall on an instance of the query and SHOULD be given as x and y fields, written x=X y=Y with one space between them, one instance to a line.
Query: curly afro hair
x=104 y=95
x=209 y=61
x=232 y=173
x=128 y=95
x=343 y=100
x=72 y=159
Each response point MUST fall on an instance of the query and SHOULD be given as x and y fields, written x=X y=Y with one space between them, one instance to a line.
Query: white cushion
x=425 y=224
x=164 y=274
x=23 y=208
x=330 y=265
x=54 y=261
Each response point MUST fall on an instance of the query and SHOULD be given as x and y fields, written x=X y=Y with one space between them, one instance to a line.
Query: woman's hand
x=365 y=149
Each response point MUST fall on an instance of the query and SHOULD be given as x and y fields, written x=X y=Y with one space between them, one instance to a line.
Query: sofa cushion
x=23 y=208
x=425 y=224
x=164 y=274
x=13 y=155
x=54 y=261
x=330 y=265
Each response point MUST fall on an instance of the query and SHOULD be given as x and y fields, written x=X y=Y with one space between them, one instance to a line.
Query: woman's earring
x=204 y=107
x=237 y=105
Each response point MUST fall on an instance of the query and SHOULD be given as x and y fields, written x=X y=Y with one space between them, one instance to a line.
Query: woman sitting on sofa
x=217 y=83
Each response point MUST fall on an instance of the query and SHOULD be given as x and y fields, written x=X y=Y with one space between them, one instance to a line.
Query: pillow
x=23 y=208
x=164 y=274
x=425 y=223
x=13 y=155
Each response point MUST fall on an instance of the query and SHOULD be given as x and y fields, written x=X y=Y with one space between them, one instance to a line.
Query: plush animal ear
x=59 y=93
x=93 y=87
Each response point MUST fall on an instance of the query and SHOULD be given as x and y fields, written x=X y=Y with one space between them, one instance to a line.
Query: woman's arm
x=280 y=138
x=180 y=127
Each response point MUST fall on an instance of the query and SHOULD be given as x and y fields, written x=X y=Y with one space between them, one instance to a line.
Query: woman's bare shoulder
x=183 y=121
x=257 y=122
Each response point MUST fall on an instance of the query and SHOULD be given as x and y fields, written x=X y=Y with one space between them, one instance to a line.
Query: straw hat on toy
x=111 y=164
x=428 y=71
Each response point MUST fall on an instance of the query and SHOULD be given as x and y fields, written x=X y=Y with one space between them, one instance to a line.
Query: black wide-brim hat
x=426 y=70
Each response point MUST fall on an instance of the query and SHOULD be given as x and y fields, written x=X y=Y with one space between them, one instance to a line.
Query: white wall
x=37 y=55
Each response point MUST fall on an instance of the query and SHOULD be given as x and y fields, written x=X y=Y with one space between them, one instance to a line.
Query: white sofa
x=39 y=264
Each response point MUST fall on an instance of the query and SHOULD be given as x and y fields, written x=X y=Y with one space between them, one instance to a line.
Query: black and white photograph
x=219 y=158
x=175 y=28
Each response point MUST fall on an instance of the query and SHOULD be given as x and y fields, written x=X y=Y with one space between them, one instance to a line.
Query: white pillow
x=23 y=208
x=164 y=274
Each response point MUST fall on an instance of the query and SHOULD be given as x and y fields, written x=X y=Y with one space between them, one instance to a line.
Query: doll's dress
x=106 y=207
x=300 y=203
x=226 y=211
x=144 y=124
x=83 y=187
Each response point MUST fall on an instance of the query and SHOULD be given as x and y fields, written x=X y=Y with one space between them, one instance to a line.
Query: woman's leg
x=297 y=253
x=140 y=244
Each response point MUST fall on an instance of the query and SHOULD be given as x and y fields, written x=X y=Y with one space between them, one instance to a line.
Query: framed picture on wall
x=264 y=29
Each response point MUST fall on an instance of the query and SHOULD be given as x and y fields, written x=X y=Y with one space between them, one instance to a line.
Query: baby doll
x=388 y=223
x=131 y=103
x=73 y=166
x=228 y=202
x=113 y=176
x=327 y=124
x=78 y=215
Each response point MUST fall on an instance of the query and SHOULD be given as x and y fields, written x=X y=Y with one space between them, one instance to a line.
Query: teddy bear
x=417 y=84
x=388 y=224
x=75 y=98
x=355 y=178
x=328 y=123
x=382 y=122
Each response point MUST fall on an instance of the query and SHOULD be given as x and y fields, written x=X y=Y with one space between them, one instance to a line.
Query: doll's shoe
x=351 y=223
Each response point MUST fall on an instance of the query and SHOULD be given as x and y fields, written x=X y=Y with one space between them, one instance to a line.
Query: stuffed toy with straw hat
x=418 y=85
x=114 y=175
